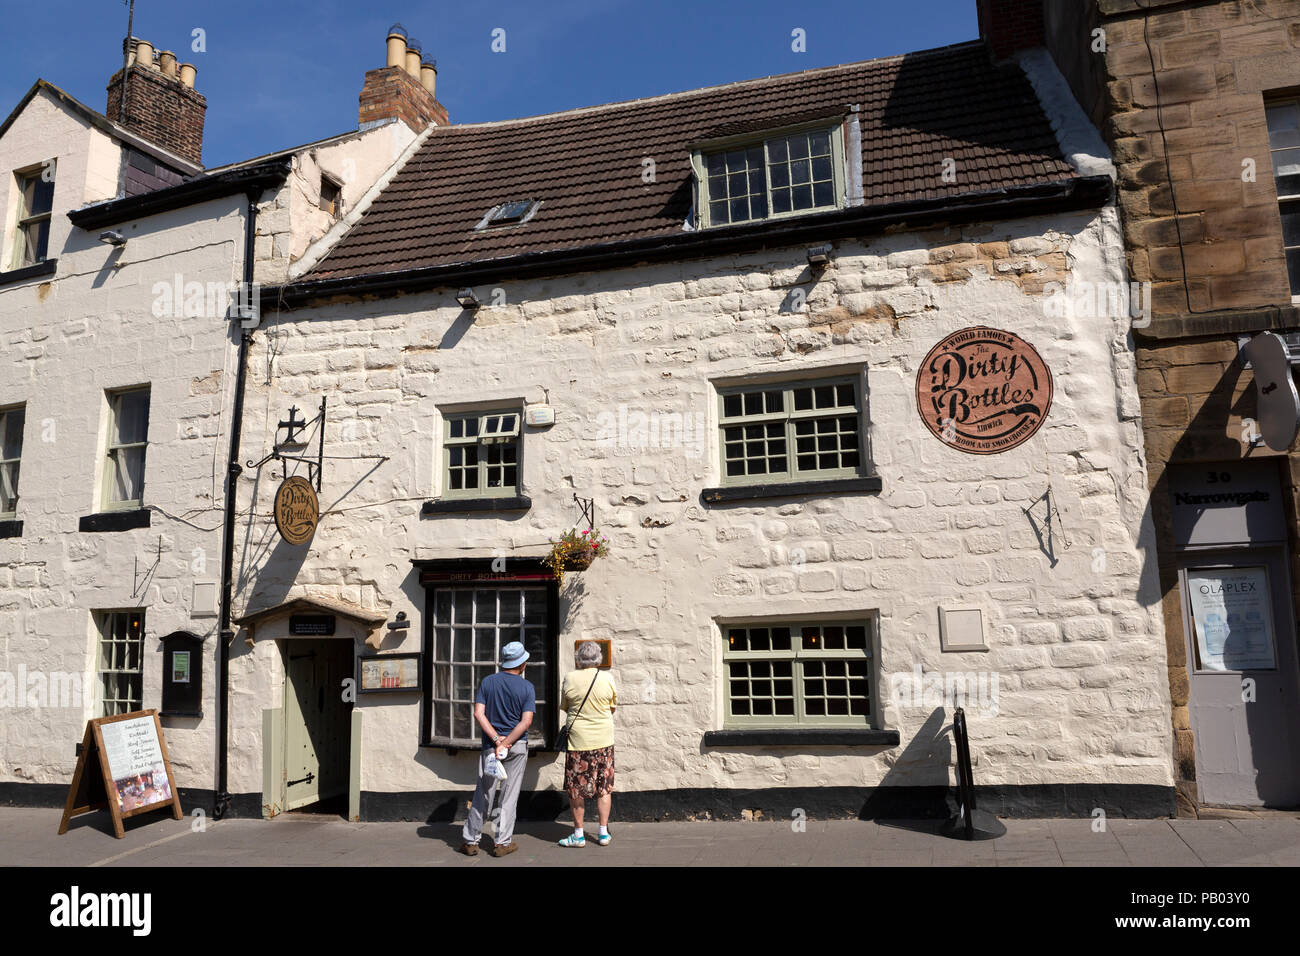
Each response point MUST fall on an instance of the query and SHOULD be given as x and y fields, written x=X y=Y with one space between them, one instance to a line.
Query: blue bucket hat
x=512 y=655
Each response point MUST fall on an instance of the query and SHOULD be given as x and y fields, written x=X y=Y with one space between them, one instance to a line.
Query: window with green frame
x=11 y=453
x=786 y=175
x=793 y=674
x=128 y=439
x=35 y=205
x=119 y=668
x=791 y=431
x=480 y=456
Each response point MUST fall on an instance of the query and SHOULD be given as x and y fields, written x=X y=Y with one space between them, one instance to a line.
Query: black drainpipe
x=233 y=471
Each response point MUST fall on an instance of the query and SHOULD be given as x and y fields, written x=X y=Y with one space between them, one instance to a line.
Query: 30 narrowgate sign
x=983 y=391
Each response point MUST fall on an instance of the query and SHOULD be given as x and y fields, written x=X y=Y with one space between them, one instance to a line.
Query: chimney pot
x=396 y=46
x=188 y=73
x=144 y=54
x=167 y=63
x=413 y=58
x=429 y=76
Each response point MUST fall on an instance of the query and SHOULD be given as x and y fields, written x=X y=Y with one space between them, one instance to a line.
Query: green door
x=317 y=720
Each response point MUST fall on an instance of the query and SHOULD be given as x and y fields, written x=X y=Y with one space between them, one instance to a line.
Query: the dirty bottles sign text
x=983 y=391
x=296 y=510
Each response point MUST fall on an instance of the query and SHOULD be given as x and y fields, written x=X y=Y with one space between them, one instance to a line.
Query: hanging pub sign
x=122 y=768
x=983 y=391
x=296 y=510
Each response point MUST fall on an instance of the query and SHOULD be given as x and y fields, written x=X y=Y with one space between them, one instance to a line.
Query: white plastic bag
x=493 y=767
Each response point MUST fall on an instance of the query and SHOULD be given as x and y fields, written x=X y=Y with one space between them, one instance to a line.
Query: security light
x=819 y=256
x=112 y=237
x=467 y=299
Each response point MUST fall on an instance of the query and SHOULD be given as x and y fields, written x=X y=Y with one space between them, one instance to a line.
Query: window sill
x=116 y=520
x=792 y=489
x=453 y=748
x=11 y=528
x=458 y=505
x=45 y=268
x=806 y=737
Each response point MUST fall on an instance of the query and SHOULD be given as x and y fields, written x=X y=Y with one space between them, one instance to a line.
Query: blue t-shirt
x=505 y=697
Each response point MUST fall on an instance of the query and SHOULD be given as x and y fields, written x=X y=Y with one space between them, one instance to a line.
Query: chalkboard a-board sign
x=124 y=769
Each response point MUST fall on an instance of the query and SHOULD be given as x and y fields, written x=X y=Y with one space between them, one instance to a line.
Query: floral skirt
x=589 y=772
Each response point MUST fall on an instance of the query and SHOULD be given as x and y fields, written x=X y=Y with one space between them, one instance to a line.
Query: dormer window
x=509 y=213
x=789 y=174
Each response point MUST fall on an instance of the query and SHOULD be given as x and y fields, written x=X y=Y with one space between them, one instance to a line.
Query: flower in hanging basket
x=575 y=550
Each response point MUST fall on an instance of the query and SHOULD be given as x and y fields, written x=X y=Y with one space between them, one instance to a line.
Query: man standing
x=504 y=708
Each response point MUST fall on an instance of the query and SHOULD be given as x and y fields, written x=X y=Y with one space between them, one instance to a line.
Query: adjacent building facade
x=1198 y=102
x=125 y=268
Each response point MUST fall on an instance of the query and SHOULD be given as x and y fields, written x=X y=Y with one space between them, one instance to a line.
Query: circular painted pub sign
x=296 y=510
x=983 y=391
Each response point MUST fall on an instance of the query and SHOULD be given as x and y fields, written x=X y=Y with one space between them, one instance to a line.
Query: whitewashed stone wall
x=1078 y=648
x=101 y=323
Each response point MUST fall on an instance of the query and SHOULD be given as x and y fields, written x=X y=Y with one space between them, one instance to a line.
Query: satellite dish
x=1279 y=404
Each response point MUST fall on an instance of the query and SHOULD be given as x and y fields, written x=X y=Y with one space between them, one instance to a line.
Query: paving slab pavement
x=28 y=837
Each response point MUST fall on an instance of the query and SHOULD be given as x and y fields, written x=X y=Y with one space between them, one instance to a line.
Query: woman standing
x=589 y=699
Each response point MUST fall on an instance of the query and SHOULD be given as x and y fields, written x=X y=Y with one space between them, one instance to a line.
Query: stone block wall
x=1077 y=645
x=1187 y=84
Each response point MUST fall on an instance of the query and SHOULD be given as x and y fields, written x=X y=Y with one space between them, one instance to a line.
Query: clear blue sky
x=277 y=74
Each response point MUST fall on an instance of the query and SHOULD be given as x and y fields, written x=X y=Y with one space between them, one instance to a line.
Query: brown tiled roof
x=586 y=165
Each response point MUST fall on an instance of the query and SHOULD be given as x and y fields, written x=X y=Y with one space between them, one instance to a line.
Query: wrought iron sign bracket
x=587 y=506
x=292 y=427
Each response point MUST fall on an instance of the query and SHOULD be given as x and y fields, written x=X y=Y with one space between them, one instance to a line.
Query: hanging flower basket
x=580 y=562
x=574 y=551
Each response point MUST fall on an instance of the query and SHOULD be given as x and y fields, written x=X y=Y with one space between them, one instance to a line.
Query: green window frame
x=786 y=674
x=35 y=213
x=792 y=431
x=12 y=420
x=482 y=452
x=128 y=434
x=471 y=625
x=119 y=662
x=791 y=172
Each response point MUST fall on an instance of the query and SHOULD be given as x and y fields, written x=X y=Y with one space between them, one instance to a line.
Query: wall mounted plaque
x=296 y=510
x=983 y=391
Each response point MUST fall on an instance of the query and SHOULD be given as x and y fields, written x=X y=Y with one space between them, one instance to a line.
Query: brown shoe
x=506 y=850
x=469 y=849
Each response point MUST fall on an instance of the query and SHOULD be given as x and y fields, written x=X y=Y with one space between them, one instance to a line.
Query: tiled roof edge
x=1006 y=203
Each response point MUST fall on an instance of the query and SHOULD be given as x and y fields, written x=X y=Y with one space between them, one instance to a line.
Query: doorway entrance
x=1239 y=633
x=317 y=721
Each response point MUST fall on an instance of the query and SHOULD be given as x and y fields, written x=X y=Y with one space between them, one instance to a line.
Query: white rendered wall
x=1078 y=648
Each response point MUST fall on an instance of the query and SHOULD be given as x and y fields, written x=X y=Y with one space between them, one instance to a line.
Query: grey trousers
x=507 y=796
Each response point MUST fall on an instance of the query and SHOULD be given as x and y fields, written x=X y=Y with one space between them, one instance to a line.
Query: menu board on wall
x=1232 y=615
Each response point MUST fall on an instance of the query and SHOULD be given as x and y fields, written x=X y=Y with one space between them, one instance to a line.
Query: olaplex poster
x=1231 y=610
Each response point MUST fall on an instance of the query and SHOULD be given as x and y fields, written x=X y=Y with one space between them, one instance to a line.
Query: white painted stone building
x=118 y=262
x=619 y=291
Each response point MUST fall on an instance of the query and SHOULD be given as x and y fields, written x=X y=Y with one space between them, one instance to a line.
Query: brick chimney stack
x=1009 y=26
x=403 y=89
x=161 y=103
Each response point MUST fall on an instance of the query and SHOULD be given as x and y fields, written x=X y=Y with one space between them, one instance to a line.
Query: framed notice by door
x=1231 y=611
